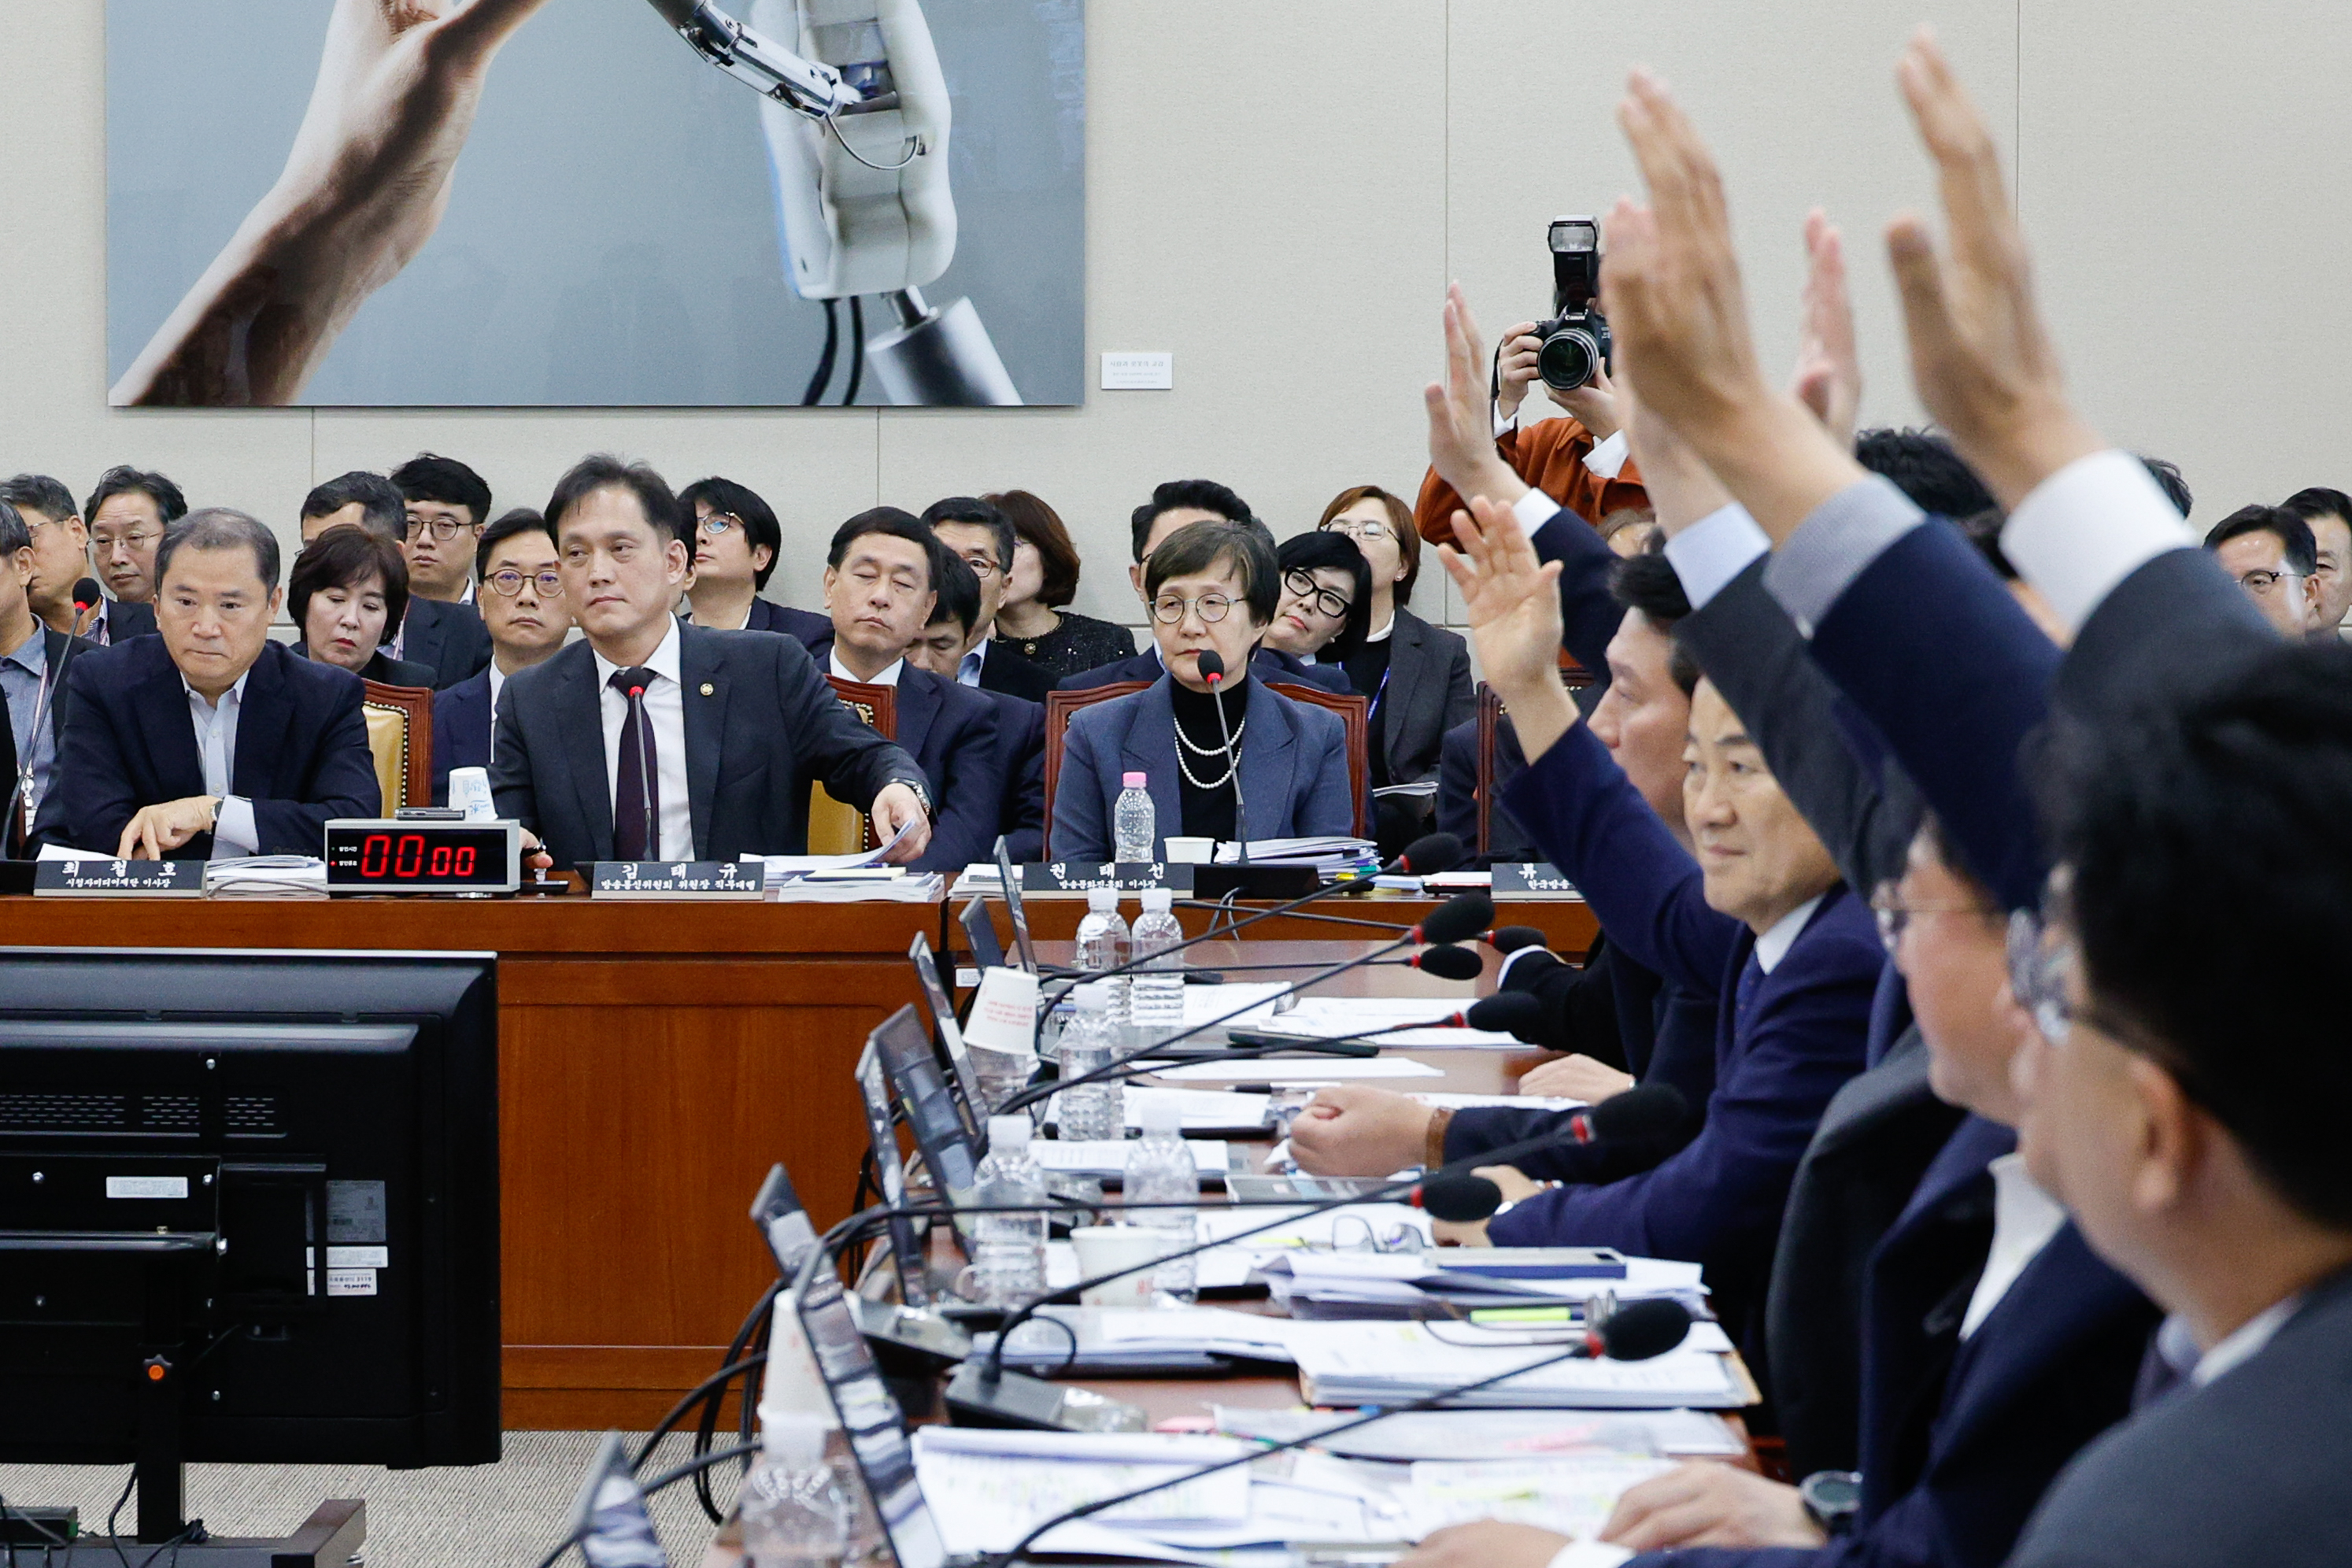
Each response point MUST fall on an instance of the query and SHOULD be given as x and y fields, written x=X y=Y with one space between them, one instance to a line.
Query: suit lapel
x=170 y=733
x=1408 y=662
x=264 y=715
x=584 y=748
x=1269 y=766
x=703 y=668
x=919 y=701
x=1148 y=747
x=421 y=633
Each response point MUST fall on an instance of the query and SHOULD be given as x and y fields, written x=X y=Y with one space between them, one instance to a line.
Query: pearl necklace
x=1185 y=743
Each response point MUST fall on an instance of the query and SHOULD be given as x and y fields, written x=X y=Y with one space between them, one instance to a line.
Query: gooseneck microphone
x=1212 y=666
x=1647 y=1111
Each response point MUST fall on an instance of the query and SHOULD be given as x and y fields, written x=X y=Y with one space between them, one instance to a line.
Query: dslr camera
x=1576 y=339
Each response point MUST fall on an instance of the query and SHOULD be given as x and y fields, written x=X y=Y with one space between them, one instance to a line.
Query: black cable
x=667 y=1477
x=700 y=1391
x=857 y=348
x=707 y=1428
x=816 y=393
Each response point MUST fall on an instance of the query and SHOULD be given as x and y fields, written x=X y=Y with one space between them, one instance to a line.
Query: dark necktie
x=1751 y=981
x=637 y=792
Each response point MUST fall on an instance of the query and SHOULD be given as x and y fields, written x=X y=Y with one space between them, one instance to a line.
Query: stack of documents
x=1203 y=1111
x=1411 y=1435
x=1108 y=1157
x=1109 y=1338
x=1385 y=1021
x=267 y=877
x=1397 y=1363
x=1530 y=1283
x=883 y=884
x=1327 y=854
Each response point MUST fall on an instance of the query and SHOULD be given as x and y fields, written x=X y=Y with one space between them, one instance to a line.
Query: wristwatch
x=1831 y=1498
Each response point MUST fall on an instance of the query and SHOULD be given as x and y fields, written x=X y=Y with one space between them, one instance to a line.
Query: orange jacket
x=1548 y=455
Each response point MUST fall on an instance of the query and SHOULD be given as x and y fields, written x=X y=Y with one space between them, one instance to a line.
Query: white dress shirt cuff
x=1589 y=1553
x=1504 y=423
x=1713 y=551
x=233 y=827
x=1607 y=459
x=2089 y=526
x=1835 y=545
x=1503 y=972
x=1534 y=510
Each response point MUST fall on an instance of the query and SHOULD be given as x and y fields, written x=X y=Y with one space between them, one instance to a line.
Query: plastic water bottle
x=1155 y=995
x=795 y=1513
x=1008 y=1261
x=1159 y=1170
x=1102 y=946
x=1134 y=835
x=1090 y=1110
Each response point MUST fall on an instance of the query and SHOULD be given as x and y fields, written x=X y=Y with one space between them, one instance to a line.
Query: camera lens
x=1567 y=359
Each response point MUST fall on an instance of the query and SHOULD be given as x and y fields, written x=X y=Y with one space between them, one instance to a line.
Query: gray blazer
x=1294 y=769
x=2254 y=1468
x=1429 y=693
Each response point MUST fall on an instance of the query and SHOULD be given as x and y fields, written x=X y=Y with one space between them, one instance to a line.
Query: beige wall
x=1278 y=194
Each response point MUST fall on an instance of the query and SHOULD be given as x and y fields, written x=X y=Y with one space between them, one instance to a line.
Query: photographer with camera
x=1579 y=461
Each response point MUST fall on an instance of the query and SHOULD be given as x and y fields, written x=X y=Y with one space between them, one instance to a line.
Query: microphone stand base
x=1032 y=1403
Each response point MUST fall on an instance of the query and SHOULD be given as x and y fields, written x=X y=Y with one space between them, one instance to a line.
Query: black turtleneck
x=1208 y=813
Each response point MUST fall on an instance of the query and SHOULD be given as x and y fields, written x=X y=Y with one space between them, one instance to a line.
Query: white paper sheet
x=1292 y=1070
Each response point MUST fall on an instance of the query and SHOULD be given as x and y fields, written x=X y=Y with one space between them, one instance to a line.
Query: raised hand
x=1980 y=355
x=1516 y=368
x=1461 y=429
x=1674 y=295
x=1828 y=379
x=1512 y=600
x=363 y=188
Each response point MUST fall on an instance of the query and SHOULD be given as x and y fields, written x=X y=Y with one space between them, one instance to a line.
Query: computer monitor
x=987 y=952
x=1010 y=880
x=891 y=1172
x=961 y=1080
x=248 y=1211
x=949 y=1151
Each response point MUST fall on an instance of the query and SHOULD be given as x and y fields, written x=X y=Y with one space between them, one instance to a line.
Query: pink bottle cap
x=1135 y=781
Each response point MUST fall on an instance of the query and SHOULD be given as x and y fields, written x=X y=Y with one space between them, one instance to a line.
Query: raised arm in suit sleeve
x=341 y=772
x=831 y=743
x=1644 y=887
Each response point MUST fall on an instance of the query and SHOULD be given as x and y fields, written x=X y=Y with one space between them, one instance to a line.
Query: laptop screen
x=1010 y=881
x=950 y=1036
x=987 y=952
x=949 y=1151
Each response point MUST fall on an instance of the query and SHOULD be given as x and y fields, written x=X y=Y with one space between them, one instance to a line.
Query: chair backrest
x=1355 y=712
x=1059 y=705
x=400 y=735
x=834 y=827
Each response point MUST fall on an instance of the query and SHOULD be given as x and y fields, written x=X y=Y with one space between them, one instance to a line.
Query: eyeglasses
x=1169 y=608
x=983 y=565
x=134 y=541
x=509 y=582
x=2037 y=975
x=1325 y=601
x=2259 y=583
x=1362 y=531
x=444 y=529
x=717 y=524
x=1894 y=915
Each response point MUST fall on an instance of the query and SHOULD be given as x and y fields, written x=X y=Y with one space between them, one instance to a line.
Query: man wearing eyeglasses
x=448 y=503
x=525 y=612
x=449 y=638
x=2273 y=555
x=983 y=536
x=737 y=542
x=126 y=515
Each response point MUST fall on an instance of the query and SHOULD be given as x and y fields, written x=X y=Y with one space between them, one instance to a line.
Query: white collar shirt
x=887 y=678
x=975 y=657
x=215 y=725
x=664 y=701
x=2024 y=1218
x=1772 y=945
x=497 y=689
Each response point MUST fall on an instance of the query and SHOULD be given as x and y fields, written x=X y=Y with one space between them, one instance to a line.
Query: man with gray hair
x=61 y=557
x=210 y=739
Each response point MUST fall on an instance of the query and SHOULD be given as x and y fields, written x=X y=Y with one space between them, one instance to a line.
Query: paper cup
x=469 y=792
x=1105 y=1247
x=1191 y=851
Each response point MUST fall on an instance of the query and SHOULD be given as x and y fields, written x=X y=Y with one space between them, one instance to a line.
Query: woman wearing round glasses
x=1327 y=595
x=1212 y=587
x=1417 y=675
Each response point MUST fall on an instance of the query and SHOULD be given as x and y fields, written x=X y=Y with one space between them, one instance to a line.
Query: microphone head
x=1515 y=1012
x=1211 y=666
x=86 y=593
x=1458 y=919
x=1450 y=963
x=1429 y=854
x=1640 y=1330
x=1459 y=1199
x=1646 y=1110
x=1510 y=939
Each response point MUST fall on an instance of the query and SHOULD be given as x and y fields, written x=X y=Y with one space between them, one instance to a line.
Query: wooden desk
x=653 y=1061
x=1567 y=924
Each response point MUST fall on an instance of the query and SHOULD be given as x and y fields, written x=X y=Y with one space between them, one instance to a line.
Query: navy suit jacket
x=1962 y=1438
x=302 y=757
x=1266 y=664
x=449 y=638
x=461 y=730
x=1003 y=671
x=813 y=631
x=761 y=726
x=125 y=620
x=1718 y=1201
x=951 y=731
x=1294 y=769
x=1457 y=793
x=1021 y=761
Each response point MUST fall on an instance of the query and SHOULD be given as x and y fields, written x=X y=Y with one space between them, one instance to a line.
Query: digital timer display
x=423 y=857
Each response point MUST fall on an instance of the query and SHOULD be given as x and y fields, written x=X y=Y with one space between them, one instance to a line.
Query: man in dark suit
x=522 y=605
x=210 y=739
x=449 y=638
x=1020 y=723
x=34 y=659
x=880 y=586
x=648 y=740
x=979 y=534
